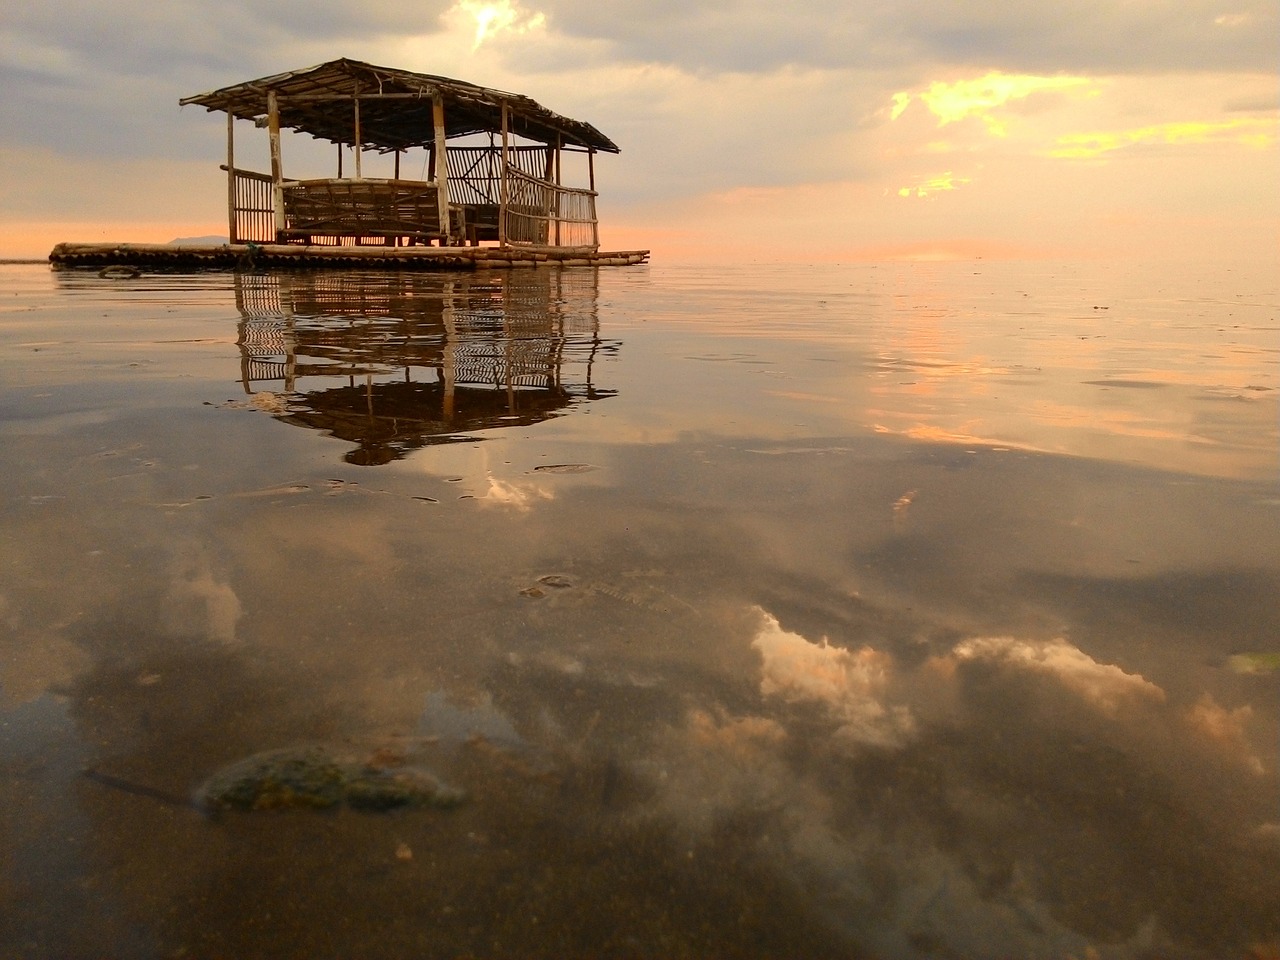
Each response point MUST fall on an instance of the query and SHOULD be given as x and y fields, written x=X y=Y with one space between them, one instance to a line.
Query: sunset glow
x=982 y=96
x=1256 y=132
x=865 y=155
x=492 y=17
x=939 y=184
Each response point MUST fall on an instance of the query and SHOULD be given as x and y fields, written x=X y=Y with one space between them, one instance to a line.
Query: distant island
x=211 y=239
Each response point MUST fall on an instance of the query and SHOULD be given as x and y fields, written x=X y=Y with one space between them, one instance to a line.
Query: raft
x=252 y=256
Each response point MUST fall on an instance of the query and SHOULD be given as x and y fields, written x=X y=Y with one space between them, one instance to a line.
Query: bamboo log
x=320 y=255
x=442 y=169
x=231 y=177
x=277 y=173
x=502 y=210
x=591 y=174
x=356 y=112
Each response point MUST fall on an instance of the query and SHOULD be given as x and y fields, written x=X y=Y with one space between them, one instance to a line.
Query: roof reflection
x=393 y=363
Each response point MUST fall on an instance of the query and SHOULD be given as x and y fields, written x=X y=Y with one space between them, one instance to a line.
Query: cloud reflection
x=1104 y=685
x=516 y=496
x=849 y=684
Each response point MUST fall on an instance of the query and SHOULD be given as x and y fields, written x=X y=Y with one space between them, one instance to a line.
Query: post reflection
x=393 y=363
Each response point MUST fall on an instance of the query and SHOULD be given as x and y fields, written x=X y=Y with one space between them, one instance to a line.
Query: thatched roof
x=395 y=107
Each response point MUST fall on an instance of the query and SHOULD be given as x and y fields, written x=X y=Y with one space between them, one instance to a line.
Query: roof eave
x=247 y=101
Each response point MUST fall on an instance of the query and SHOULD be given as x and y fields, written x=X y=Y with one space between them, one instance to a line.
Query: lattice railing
x=251 y=207
x=539 y=212
x=475 y=173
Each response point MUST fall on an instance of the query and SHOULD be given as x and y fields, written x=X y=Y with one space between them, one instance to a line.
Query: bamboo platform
x=254 y=256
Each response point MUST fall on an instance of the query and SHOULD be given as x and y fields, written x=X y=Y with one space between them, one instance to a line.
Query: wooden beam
x=363 y=95
x=277 y=171
x=231 y=178
x=442 y=168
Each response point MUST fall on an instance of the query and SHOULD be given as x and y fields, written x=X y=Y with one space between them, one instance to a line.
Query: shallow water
x=910 y=610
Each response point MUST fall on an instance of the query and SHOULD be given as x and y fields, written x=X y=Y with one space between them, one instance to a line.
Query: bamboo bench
x=361 y=209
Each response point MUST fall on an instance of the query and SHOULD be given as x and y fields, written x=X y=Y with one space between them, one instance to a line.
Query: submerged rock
x=312 y=778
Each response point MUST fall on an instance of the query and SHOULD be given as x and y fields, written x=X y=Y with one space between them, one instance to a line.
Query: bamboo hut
x=492 y=193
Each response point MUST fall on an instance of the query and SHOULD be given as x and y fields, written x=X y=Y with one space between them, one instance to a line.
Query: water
x=908 y=610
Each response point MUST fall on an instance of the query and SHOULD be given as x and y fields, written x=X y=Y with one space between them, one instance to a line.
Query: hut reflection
x=396 y=362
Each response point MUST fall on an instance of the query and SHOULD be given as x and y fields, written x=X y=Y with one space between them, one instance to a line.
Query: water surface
x=898 y=610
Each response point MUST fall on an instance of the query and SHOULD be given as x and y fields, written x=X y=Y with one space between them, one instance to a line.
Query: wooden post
x=559 y=146
x=277 y=172
x=397 y=173
x=356 y=101
x=339 y=161
x=442 y=167
x=591 y=177
x=502 y=210
x=448 y=354
x=231 y=177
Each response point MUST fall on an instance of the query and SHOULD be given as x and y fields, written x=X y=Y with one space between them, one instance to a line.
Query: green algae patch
x=1267 y=662
x=311 y=778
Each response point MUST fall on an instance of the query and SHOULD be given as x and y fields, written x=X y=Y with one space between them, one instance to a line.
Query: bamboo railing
x=539 y=212
x=252 y=216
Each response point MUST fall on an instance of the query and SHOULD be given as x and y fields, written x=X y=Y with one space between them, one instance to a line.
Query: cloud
x=492 y=17
x=199 y=598
x=982 y=96
x=849 y=684
x=1255 y=132
x=1092 y=36
x=519 y=497
x=1226 y=728
x=836 y=102
x=932 y=185
x=1106 y=686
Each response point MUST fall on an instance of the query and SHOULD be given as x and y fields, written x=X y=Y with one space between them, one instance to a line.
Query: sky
x=832 y=130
